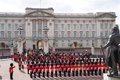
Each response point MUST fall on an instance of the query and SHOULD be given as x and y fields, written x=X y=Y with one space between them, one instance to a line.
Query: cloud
x=63 y=6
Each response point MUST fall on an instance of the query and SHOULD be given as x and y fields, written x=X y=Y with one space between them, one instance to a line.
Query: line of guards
x=67 y=69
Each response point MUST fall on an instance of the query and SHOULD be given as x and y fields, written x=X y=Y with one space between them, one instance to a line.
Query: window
x=68 y=33
x=93 y=33
x=63 y=44
x=56 y=43
x=2 y=34
x=34 y=34
x=74 y=26
x=62 y=33
x=87 y=26
x=68 y=43
x=40 y=33
x=56 y=27
x=101 y=34
x=62 y=26
x=65 y=21
x=9 y=26
x=87 y=33
x=40 y=25
x=75 y=33
x=101 y=26
x=68 y=26
x=33 y=26
x=87 y=43
x=80 y=26
x=106 y=33
x=9 y=34
x=16 y=33
x=106 y=25
x=111 y=25
x=2 y=26
x=56 y=33
x=81 y=33
x=93 y=26
x=44 y=23
x=50 y=24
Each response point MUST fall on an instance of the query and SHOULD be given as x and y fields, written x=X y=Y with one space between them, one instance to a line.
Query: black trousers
x=64 y=73
x=31 y=74
x=48 y=73
x=60 y=73
x=55 y=73
x=84 y=72
x=96 y=72
x=92 y=72
x=100 y=72
x=34 y=74
x=39 y=73
x=11 y=75
x=43 y=73
x=80 y=72
x=51 y=73
x=69 y=73
x=73 y=73
x=103 y=70
x=19 y=67
x=76 y=72
x=88 y=72
x=28 y=71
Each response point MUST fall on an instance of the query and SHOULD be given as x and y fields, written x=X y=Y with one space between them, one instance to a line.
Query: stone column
x=92 y=49
x=19 y=47
x=46 y=48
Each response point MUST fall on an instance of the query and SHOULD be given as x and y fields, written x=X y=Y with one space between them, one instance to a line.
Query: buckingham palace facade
x=66 y=30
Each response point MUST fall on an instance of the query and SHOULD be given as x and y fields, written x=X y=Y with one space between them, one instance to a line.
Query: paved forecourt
x=18 y=75
x=4 y=71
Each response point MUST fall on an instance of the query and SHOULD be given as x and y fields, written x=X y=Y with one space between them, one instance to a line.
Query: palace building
x=64 y=30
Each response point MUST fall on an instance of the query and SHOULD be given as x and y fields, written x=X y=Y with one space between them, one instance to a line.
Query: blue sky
x=64 y=6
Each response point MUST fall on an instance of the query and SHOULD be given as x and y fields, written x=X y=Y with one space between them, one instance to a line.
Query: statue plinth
x=105 y=77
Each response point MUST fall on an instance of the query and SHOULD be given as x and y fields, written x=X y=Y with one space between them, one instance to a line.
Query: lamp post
x=45 y=38
x=19 y=40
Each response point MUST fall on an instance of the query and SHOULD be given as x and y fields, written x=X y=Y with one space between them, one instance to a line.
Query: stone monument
x=113 y=54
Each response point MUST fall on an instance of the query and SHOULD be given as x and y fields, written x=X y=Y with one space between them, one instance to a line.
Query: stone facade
x=66 y=30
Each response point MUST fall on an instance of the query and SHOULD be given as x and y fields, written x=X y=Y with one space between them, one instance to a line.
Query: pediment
x=106 y=15
x=39 y=14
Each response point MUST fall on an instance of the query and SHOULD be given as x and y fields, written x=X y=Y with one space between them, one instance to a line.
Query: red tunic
x=11 y=69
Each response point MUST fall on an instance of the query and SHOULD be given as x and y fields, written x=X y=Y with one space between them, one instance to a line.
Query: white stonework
x=65 y=29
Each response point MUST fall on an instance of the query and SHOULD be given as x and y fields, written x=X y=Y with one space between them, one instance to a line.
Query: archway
x=40 y=44
x=75 y=44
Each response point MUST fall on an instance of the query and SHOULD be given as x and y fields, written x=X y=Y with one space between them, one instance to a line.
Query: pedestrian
x=11 y=71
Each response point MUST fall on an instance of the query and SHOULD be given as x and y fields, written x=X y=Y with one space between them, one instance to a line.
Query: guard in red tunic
x=69 y=69
x=80 y=68
x=76 y=68
x=28 y=67
x=39 y=70
x=56 y=69
x=20 y=64
x=64 y=69
x=34 y=70
x=73 y=69
x=43 y=69
x=88 y=69
x=11 y=71
x=31 y=71
x=60 y=69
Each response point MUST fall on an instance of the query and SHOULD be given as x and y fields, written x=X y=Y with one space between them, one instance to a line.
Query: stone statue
x=113 y=53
